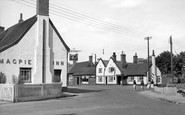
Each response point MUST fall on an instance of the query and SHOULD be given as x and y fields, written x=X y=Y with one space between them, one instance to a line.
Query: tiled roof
x=137 y=69
x=14 y=34
x=85 y=71
x=78 y=66
x=105 y=62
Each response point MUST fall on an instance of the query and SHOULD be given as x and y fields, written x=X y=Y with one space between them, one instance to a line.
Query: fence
x=7 y=92
x=27 y=92
x=166 y=90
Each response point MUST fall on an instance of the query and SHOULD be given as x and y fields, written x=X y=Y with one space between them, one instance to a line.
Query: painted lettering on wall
x=58 y=63
x=15 y=61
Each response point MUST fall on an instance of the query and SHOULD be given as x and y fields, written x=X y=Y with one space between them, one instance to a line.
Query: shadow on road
x=76 y=90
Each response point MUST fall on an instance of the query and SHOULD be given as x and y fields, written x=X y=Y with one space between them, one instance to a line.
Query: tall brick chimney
x=123 y=60
x=135 y=58
x=42 y=7
x=20 y=20
x=114 y=56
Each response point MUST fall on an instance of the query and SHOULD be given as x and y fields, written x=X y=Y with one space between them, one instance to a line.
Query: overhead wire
x=107 y=26
x=89 y=20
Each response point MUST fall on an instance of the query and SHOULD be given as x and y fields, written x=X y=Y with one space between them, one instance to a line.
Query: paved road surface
x=96 y=100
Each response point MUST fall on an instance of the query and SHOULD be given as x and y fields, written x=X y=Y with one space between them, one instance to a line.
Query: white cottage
x=100 y=71
x=33 y=50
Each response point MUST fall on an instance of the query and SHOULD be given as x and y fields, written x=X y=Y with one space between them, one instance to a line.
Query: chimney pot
x=114 y=56
x=20 y=20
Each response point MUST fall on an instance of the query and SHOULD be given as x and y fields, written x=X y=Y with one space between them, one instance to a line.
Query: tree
x=163 y=62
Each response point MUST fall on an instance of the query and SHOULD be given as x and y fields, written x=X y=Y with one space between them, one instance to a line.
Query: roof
x=137 y=69
x=77 y=66
x=14 y=34
x=85 y=71
x=105 y=62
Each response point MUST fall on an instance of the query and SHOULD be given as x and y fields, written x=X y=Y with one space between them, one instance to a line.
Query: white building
x=33 y=50
x=100 y=72
x=155 y=72
x=118 y=72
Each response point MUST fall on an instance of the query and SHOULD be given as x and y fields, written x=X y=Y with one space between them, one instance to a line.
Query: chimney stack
x=153 y=54
x=43 y=7
x=135 y=59
x=1 y=29
x=20 y=20
x=90 y=59
x=114 y=56
x=123 y=60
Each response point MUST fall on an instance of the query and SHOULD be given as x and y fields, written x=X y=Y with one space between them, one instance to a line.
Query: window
x=99 y=79
x=111 y=69
x=140 y=79
x=25 y=75
x=158 y=79
x=100 y=70
x=131 y=78
x=85 y=79
x=111 y=79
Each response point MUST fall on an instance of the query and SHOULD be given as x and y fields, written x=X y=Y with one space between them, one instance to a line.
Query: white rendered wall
x=60 y=56
x=100 y=65
x=114 y=73
x=24 y=51
x=39 y=52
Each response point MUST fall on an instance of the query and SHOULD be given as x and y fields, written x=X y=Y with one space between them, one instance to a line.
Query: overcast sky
x=132 y=20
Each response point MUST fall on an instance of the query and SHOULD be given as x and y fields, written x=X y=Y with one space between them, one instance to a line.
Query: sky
x=133 y=20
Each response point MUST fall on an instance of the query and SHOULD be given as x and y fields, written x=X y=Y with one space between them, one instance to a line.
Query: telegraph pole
x=148 y=47
x=171 y=50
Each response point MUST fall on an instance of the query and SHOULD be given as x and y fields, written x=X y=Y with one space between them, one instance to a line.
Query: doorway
x=118 y=80
x=57 y=75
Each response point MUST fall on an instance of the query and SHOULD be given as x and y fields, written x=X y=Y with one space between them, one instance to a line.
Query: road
x=96 y=100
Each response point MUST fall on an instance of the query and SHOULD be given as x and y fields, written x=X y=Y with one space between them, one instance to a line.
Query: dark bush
x=2 y=78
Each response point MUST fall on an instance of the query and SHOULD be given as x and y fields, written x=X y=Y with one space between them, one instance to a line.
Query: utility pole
x=171 y=50
x=148 y=47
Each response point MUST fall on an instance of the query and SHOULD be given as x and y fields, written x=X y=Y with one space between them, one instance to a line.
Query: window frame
x=22 y=77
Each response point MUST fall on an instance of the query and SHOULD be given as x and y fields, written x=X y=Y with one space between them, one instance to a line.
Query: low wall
x=166 y=90
x=28 y=92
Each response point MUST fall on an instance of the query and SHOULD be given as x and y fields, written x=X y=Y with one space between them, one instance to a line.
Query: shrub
x=2 y=78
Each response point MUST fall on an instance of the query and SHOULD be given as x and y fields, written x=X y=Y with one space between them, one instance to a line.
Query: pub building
x=34 y=50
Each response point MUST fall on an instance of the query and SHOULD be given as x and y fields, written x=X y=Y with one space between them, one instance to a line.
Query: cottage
x=33 y=50
x=82 y=73
x=121 y=72
x=100 y=71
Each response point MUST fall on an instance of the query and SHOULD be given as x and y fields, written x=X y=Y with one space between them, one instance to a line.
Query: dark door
x=77 y=81
x=118 y=80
